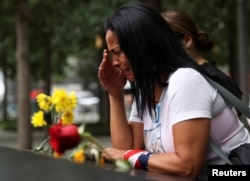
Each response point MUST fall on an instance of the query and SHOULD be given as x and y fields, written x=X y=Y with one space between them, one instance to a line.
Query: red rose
x=63 y=138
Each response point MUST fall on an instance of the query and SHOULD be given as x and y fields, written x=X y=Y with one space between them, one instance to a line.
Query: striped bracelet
x=138 y=158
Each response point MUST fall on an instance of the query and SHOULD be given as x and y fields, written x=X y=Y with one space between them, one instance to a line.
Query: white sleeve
x=190 y=95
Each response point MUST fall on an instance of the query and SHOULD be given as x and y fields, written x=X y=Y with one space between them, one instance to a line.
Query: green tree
x=219 y=20
x=48 y=32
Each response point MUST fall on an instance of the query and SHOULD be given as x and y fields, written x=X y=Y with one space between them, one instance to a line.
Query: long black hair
x=151 y=47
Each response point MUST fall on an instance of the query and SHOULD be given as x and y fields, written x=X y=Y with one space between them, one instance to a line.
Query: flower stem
x=93 y=140
x=100 y=147
x=43 y=143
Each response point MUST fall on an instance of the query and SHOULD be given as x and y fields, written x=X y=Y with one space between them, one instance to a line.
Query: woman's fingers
x=113 y=153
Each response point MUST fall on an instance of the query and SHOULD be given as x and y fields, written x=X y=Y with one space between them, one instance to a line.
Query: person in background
x=197 y=44
x=175 y=110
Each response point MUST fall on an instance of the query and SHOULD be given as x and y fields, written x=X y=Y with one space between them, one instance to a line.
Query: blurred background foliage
x=65 y=43
x=65 y=28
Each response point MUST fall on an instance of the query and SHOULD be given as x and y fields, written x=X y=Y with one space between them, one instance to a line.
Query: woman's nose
x=116 y=62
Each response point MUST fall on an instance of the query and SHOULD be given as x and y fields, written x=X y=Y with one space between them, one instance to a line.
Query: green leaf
x=123 y=165
x=81 y=128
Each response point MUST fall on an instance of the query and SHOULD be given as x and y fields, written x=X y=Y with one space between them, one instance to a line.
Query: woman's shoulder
x=184 y=73
x=186 y=77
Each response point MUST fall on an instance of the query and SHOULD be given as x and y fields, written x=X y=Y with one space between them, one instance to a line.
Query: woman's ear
x=187 y=41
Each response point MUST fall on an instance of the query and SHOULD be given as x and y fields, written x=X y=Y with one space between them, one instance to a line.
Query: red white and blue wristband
x=138 y=158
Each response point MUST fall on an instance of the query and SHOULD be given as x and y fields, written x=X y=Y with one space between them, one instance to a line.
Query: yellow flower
x=67 y=118
x=38 y=119
x=44 y=102
x=73 y=100
x=57 y=155
x=61 y=100
x=101 y=161
x=79 y=156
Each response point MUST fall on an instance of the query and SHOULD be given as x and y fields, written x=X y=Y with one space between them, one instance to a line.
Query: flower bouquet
x=66 y=139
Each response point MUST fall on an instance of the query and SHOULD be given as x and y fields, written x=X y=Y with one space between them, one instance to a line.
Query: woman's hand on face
x=111 y=77
x=113 y=153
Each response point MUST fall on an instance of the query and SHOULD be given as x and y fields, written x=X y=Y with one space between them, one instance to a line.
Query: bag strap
x=217 y=149
x=232 y=99
x=238 y=104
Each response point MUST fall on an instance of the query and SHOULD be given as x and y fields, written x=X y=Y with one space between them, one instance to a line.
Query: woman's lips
x=126 y=72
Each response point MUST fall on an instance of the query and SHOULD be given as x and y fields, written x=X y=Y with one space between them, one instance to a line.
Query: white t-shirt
x=187 y=96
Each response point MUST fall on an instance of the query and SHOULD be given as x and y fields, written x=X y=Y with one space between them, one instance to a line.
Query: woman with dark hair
x=197 y=44
x=174 y=111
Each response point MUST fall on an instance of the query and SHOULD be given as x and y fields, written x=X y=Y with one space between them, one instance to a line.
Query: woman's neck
x=158 y=88
x=201 y=60
x=197 y=57
x=158 y=92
